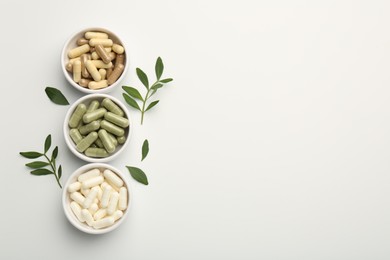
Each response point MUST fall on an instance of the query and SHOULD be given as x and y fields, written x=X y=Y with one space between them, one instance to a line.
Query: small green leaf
x=59 y=172
x=166 y=80
x=131 y=101
x=41 y=172
x=133 y=92
x=138 y=175
x=31 y=155
x=47 y=143
x=54 y=154
x=145 y=149
x=159 y=68
x=37 y=164
x=56 y=96
x=152 y=104
x=142 y=77
x=157 y=86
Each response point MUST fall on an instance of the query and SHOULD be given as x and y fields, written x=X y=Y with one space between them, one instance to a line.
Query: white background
x=272 y=142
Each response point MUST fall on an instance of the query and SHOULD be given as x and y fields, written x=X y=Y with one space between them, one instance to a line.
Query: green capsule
x=108 y=144
x=113 y=129
x=93 y=106
x=86 y=129
x=96 y=152
x=75 y=135
x=99 y=143
x=77 y=115
x=94 y=115
x=121 y=139
x=113 y=139
x=86 y=142
x=115 y=119
x=111 y=106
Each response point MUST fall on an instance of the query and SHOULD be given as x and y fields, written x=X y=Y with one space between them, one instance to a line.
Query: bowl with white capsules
x=96 y=198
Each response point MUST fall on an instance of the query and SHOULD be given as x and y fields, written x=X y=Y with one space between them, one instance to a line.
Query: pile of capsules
x=99 y=129
x=92 y=62
x=98 y=198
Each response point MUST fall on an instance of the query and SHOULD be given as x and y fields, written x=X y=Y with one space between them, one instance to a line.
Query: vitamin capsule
x=108 y=49
x=75 y=135
x=122 y=198
x=100 y=194
x=118 y=48
x=98 y=35
x=101 y=65
x=95 y=56
x=84 y=70
x=87 y=216
x=113 y=129
x=85 y=192
x=75 y=186
x=112 y=107
x=115 y=119
x=96 y=200
x=96 y=152
x=113 y=203
x=121 y=139
x=112 y=55
x=98 y=84
x=86 y=142
x=92 y=182
x=86 y=129
x=73 y=60
x=115 y=74
x=99 y=143
x=77 y=71
x=109 y=71
x=105 y=196
x=92 y=70
x=93 y=106
x=105 y=42
x=103 y=185
x=88 y=175
x=75 y=118
x=107 y=143
x=77 y=197
x=94 y=115
x=113 y=139
x=117 y=214
x=115 y=188
x=90 y=198
x=101 y=213
x=104 y=222
x=78 y=51
x=84 y=82
x=82 y=41
x=69 y=67
x=113 y=178
x=76 y=211
x=120 y=59
x=103 y=73
x=102 y=53
x=93 y=208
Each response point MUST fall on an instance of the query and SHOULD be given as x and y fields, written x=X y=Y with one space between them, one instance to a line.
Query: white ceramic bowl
x=72 y=43
x=66 y=199
x=86 y=100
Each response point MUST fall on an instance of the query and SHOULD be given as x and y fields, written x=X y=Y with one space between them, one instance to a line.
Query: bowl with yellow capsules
x=94 y=60
x=97 y=128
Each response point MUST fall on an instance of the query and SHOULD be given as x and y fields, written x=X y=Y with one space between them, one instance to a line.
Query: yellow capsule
x=95 y=56
x=78 y=51
x=69 y=67
x=100 y=35
x=115 y=74
x=82 y=41
x=84 y=82
x=92 y=70
x=77 y=71
x=102 y=53
x=98 y=84
x=112 y=55
x=118 y=48
x=101 y=65
x=105 y=42
x=103 y=73
x=74 y=59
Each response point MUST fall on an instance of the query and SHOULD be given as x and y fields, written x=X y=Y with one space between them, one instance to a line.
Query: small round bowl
x=66 y=199
x=72 y=43
x=86 y=100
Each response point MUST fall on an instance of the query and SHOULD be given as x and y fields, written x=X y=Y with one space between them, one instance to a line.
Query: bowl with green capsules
x=97 y=128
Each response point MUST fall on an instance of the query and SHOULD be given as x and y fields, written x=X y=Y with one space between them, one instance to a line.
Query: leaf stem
x=144 y=104
x=53 y=167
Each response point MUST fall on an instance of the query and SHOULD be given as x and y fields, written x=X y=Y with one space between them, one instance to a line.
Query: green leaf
x=166 y=80
x=56 y=96
x=59 y=172
x=54 y=154
x=145 y=149
x=47 y=143
x=138 y=175
x=152 y=104
x=133 y=92
x=157 y=86
x=142 y=77
x=31 y=155
x=131 y=101
x=159 y=68
x=41 y=172
x=37 y=164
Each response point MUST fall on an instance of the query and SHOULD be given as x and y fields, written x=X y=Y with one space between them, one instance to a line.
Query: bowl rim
x=66 y=200
x=67 y=74
x=69 y=141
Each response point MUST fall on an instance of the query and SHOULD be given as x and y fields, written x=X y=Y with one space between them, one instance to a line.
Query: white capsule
x=100 y=192
x=101 y=213
x=75 y=186
x=117 y=214
x=85 y=192
x=96 y=200
x=104 y=184
x=90 y=198
x=89 y=174
x=113 y=178
x=104 y=222
x=93 y=208
x=105 y=196
x=113 y=203
x=122 y=198
x=76 y=211
x=87 y=217
x=77 y=197
x=92 y=182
